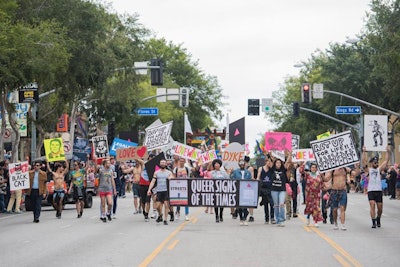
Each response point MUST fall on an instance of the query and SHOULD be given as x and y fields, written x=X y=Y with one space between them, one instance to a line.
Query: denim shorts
x=338 y=198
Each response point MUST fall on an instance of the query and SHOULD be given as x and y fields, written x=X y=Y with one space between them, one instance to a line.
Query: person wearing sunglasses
x=37 y=189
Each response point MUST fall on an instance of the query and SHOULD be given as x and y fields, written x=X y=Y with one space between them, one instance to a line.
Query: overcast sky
x=250 y=46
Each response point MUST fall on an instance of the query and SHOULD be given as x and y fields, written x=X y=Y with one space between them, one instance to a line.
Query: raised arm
x=66 y=170
x=48 y=167
x=386 y=161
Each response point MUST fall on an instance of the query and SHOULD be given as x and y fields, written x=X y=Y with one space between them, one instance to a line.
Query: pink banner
x=278 y=141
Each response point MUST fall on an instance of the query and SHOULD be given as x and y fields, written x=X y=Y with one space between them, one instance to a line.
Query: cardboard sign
x=119 y=143
x=213 y=192
x=158 y=136
x=100 y=146
x=295 y=141
x=231 y=155
x=303 y=155
x=54 y=149
x=131 y=153
x=278 y=141
x=19 y=175
x=335 y=151
x=185 y=151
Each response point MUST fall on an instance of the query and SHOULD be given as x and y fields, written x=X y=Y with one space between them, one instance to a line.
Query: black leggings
x=221 y=210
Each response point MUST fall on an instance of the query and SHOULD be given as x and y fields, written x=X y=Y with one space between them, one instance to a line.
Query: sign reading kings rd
x=348 y=110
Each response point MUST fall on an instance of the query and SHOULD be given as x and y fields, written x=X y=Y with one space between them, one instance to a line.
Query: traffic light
x=184 y=97
x=156 y=73
x=110 y=132
x=253 y=107
x=390 y=138
x=306 y=93
x=296 y=109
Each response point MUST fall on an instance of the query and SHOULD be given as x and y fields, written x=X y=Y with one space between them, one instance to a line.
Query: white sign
x=158 y=136
x=161 y=92
x=19 y=175
x=375 y=132
x=299 y=155
x=279 y=154
x=232 y=154
x=295 y=141
x=318 y=91
x=334 y=151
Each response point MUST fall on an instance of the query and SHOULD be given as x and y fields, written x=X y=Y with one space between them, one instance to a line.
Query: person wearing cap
x=242 y=173
x=375 y=196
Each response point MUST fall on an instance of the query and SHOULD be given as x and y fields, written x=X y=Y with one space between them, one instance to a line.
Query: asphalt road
x=130 y=241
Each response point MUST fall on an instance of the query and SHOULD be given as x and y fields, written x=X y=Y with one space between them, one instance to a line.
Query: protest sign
x=213 y=192
x=185 y=151
x=334 y=151
x=120 y=143
x=232 y=154
x=375 y=132
x=19 y=175
x=323 y=135
x=54 y=149
x=158 y=136
x=295 y=141
x=131 y=153
x=278 y=141
x=207 y=156
x=278 y=154
x=100 y=145
x=153 y=165
x=303 y=155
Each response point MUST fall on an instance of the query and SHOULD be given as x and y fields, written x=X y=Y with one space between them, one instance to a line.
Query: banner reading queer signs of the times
x=334 y=151
x=213 y=192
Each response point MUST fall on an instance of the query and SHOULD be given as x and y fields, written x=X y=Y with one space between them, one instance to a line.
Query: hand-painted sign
x=185 y=151
x=278 y=141
x=158 y=136
x=54 y=149
x=303 y=155
x=335 y=151
x=120 y=143
x=131 y=153
x=19 y=175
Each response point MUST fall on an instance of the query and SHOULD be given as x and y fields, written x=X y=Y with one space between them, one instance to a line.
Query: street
x=130 y=241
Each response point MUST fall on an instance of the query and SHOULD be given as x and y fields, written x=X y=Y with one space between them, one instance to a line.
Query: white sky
x=250 y=46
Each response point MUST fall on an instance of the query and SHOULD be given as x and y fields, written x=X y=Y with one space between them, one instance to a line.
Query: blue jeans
x=2 y=203
x=278 y=198
x=178 y=209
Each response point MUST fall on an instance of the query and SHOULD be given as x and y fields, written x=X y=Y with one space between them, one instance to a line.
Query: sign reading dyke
x=158 y=136
x=334 y=151
x=232 y=155
x=213 y=192
x=131 y=153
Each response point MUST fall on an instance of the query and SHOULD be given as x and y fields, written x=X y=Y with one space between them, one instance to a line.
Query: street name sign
x=147 y=111
x=348 y=110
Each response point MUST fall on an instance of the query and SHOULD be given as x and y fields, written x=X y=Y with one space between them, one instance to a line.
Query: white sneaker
x=316 y=225
x=241 y=223
x=336 y=227
x=186 y=218
x=245 y=223
x=282 y=224
x=343 y=228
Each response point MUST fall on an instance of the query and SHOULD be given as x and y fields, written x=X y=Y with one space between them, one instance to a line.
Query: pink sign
x=278 y=141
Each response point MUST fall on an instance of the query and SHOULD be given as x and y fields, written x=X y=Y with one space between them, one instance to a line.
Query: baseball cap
x=375 y=158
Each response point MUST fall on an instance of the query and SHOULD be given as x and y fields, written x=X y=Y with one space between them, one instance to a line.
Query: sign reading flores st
x=348 y=110
x=147 y=111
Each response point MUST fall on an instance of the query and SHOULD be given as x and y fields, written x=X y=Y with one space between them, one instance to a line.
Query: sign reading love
x=131 y=153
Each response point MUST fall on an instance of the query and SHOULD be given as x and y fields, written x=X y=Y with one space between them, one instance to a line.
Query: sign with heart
x=131 y=153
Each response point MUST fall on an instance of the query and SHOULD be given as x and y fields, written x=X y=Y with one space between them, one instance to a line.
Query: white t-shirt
x=374 y=182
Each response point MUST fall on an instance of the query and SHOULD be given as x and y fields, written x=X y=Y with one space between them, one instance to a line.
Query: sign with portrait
x=375 y=132
x=213 y=192
x=54 y=149
x=335 y=151
x=295 y=141
x=158 y=136
x=19 y=175
x=100 y=146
